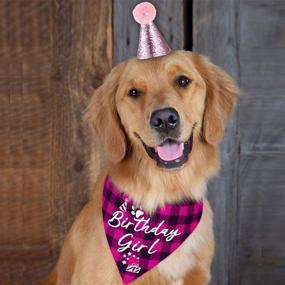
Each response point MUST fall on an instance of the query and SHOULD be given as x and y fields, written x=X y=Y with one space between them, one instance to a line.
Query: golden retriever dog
x=180 y=99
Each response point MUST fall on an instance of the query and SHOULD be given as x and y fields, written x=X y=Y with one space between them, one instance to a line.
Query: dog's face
x=160 y=102
x=161 y=107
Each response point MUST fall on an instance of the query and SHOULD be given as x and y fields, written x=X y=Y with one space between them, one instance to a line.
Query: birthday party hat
x=151 y=42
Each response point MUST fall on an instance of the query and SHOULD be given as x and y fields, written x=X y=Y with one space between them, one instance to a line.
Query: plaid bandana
x=139 y=241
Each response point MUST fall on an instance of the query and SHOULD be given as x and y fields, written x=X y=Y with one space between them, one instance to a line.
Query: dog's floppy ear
x=221 y=96
x=101 y=114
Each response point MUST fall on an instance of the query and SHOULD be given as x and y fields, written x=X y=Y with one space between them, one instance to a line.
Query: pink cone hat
x=151 y=42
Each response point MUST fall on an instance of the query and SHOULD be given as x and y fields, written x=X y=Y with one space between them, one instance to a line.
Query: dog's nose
x=164 y=120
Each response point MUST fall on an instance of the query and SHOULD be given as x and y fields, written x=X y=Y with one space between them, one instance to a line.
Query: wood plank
x=262 y=47
x=265 y=67
x=52 y=57
x=81 y=58
x=262 y=124
x=262 y=234
x=261 y=177
x=214 y=35
x=169 y=19
x=262 y=76
x=25 y=126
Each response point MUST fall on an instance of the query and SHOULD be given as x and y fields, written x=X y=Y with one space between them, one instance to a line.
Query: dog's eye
x=182 y=81
x=134 y=93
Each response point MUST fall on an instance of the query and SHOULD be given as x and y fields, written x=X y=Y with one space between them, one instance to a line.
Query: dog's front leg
x=197 y=276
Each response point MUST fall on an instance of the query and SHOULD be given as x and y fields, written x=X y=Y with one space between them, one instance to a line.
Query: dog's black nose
x=164 y=120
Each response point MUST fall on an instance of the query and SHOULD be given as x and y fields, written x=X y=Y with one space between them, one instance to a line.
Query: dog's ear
x=221 y=96
x=101 y=115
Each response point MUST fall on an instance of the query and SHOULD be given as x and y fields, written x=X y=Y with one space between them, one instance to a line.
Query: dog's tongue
x=169 y=150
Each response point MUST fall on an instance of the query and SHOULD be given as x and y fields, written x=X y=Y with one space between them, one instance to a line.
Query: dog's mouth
x=171 y=153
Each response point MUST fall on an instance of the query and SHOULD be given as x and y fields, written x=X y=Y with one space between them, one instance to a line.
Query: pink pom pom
x=144 y=13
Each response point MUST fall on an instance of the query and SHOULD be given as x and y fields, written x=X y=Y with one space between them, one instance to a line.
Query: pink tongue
x=169 y=151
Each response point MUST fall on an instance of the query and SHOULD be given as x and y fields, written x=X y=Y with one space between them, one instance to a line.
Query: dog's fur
x=121 y=122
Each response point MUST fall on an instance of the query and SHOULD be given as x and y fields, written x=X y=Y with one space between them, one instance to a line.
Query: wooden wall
x=53 y=55
x=261 y=176
x=247 y=38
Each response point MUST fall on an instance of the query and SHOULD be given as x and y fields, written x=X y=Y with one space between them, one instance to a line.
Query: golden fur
x=205 y=106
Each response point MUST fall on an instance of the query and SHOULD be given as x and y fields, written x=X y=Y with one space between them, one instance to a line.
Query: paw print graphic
x=136 y=212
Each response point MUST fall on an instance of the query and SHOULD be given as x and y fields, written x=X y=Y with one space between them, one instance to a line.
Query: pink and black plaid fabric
x=139 y=241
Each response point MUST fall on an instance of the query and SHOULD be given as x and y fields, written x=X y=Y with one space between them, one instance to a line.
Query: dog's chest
x=140 y=241
x=176 y=266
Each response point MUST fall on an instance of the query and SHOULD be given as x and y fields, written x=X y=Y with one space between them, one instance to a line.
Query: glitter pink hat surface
x=151 y=42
